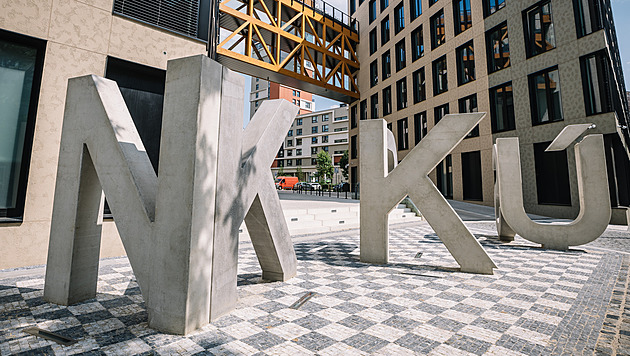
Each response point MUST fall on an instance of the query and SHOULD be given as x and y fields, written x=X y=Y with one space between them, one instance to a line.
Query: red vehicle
x=286 y=182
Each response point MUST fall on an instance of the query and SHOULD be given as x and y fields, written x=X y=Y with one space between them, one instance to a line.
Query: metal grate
x=176 y=15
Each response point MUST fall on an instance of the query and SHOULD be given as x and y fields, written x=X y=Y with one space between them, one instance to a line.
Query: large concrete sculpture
x=383 y=186
x=590 y=162
x=177 y=227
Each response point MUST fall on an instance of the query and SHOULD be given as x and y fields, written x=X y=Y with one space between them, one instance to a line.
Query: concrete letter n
x=382 y=190
x=594 y=198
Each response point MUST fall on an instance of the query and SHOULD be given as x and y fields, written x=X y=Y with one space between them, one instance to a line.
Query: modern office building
x=263 y=89
x=533 y=66
x=311 y=133
x=42 y=44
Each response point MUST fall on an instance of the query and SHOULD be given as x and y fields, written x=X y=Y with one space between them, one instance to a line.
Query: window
x=372 y=10
x=492 y=6
x=552 y=175
x=298 y=103
x=298 y=152
x=431 y=2
x=373 y=44
x=438 y=35
x=280 y=163
x=374 y=106
x=290 y=133
x=498 y=48
x=298 y=122
x=440 y=79
x=325 y=148
x=298 y=142
x=298 y=132
x=469 y=105
x=339 y=129
x=419 y=126
x=353 y=147
x=289 y=144
x=297 y=93
x=314 y=119
x=325 y=117
x=403 y=134
x=389 y=127
x=353 y=7
x=386 y=65
x=256 y=95
x=502 y=108
x=417 y=44
x=544 y=96
x=294 y=93
x=465 y=63
x=597 y=83
x=363 y=111
x=539 y=33
x=385 y=30
x=298 y=162
x=399 y=18
x=462 y=18
x=256 y=86
x=314 y=129
x=293 y=101
x=289 y=153
x=373 y=73
x=588 y=16
x=401 y=58
x=416 y=9
x=324 y=128
x=314 y=150
x=444 y=172
x=314 y=160
x=314 y=140
x=401 y=94
x=289 y=162
x=419 y=86
x=325 y=139
x=384 y=4
x=387 y=100
x=21 y=63
x=471 y=176
x=439 y=112
x=353 y=117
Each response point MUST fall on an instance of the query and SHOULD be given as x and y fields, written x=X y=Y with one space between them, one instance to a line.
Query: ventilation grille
x=175 y=15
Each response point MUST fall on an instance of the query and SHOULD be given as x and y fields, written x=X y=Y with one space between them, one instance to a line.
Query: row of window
x=544 y=91
x=539 y=38
x=325 y=117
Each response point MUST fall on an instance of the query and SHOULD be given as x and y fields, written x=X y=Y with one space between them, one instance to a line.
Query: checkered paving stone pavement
x=539 y=302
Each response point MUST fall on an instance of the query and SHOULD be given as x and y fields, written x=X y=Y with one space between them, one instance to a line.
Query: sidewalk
x=538 y=302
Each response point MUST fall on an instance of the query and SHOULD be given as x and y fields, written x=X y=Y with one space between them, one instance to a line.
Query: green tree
x=280 y=171
x=343 y=163
x=324 y=166
x=300 y=174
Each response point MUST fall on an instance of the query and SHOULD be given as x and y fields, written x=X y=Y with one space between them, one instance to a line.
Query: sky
x=621 y=15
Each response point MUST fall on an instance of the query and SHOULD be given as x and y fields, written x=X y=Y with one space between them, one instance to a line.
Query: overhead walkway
x=305 y=44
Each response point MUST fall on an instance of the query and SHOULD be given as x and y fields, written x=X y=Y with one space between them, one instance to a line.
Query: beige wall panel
x=111 y=244
x=29 y=17
x=147 y=45
x=79 y=25
x=28 y=242
x=101 y=4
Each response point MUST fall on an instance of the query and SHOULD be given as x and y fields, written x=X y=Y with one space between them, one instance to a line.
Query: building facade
x=532 y=66
x=263 y=89
x=42 y=45
x=325 y=130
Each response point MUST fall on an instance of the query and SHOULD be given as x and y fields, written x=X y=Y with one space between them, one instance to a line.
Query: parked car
x=342 y=187
x=301 y=185
x=315 y=186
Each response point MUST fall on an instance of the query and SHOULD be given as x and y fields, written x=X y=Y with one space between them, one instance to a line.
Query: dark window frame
x=374 y=106
x=465 y=67
x=440 y=76
x=385 y=30
x=464 y=21
x=439 y=112
x=399 y=17
x=438 y=39
x=386 y=64
x=548 y=96
x=529 y=36
x=492 y=63
x=374 y=73
x=417 y=43
x=401 y=55
x=401 y=94
x=420 y=126
x=462 y=105
x=17 y=212
x=373 y=41
x=508 y=114
x=419 y=85
x=373 y=12
x=402 y=128
x=387 y=100
x=492 y=6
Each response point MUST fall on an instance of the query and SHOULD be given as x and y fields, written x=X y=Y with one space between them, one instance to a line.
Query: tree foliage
x=343 y=163
x=300 y=174
x=280 y=171
x=325 y=167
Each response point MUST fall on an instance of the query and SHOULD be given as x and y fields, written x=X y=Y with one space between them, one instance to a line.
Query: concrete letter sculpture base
x=178 y=227
x=382 y=190
x=595 y=208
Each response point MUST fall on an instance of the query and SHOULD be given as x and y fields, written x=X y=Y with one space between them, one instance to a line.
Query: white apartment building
x=310 y=133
